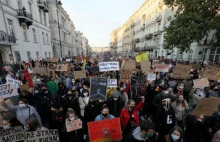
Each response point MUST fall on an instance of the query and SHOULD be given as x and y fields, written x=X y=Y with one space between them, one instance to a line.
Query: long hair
x=177 y=129
x=216 y=137
x=70 y=111
x=179 y=102
x=33 y=123
x=128 y=103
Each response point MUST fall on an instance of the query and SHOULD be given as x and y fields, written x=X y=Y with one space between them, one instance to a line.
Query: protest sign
x=63 y=67
x=130 y=65
x=181 y=71
x=14 y=83
x=39 y=70
x=100 y=130
x=79 y=74
x=112 y=82
x=73 y=125
x=78 y=59
x=98 y=88
x=53 y=60
x=151 y=76
x=145 y=66
x=14 y=134
x=28 y=78
x=200 y=83
x=161 y=68
x=68 y=60
x=138 y=86
x=155 y=62
x=108 y=66
x=206 y=106
x=125 y=75
x=212 y=73
x=42 y=136
x=37 y=64
x=52 y=66
x=24 y=87
x=196 y=67
x=94 y=69
x=91 y=60
x=7 y=91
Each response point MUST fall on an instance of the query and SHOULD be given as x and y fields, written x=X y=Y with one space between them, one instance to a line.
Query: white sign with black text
x=112 y=82
x=108 y=66
x=151 y=76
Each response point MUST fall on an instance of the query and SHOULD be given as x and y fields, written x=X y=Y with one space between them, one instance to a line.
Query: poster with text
x=98 y=88
x=181 y=71
x=109 y=129
x=125 y=75
x=138 y=86
x=73 y=125
x=112 y=82
x=151 y=76
x=14 y=134
x=79 y=74
x=212 y=73
x=145 y=66
x=6 y=91
x=14 y=83
x=161 y=68
x=200 y=83
x=108 y=66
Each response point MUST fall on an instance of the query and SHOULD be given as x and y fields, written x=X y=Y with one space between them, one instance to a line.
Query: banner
x=42 y=136
x=200 y=83
x=196 y=67
x=212 y=73
x=112 y=82
x=161 y=68
x=138 y=86
x=98 y=88
x=125 y=75
x=108 y=66
x=63 y=67
x=206 y=106
x=12 y=134
x=28 y=78
x=14 y=83
x=151 y=76
x=145 y=66
x=109 y=129
x=79 y=74
x=73 y=125
x=181 y=71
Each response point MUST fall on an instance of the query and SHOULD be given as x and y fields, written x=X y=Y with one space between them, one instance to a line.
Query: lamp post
x=61 y=54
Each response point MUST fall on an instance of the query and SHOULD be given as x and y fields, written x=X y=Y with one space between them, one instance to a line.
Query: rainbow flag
x=122 y=64
x=84 y=64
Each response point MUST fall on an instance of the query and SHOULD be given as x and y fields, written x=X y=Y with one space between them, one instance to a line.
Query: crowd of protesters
x=163 y=114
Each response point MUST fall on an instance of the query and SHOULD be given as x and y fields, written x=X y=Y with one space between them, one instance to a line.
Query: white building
x=79 y=43
x=85 y=46
x=24 y=29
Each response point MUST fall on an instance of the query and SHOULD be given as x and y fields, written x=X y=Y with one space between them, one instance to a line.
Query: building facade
x=85 y=46
x=24 y=29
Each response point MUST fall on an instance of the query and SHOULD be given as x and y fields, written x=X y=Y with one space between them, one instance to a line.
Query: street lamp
x=61 y=54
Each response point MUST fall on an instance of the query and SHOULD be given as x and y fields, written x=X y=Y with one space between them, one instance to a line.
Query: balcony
x=157 y=33
x=148 y=36
x=6 y=39
x=24 y=17
x=137 y=40
x=43 y=5
x=159 y=18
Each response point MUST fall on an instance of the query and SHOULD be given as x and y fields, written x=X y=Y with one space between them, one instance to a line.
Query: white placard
x=14 y=83
x=112 y=82
x=14 y=134
x=68 y=60
x=161 y=68
x=108 y=66
x=7 y=91
x=151 y=76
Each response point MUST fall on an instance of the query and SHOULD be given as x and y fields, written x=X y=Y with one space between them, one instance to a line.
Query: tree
x=192 y=22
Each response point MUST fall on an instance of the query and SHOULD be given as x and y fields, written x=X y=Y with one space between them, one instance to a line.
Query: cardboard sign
x=98 y=88
x=206 y=106
x=145 y=66
x=198 y=83
x=14 y=83
x=53 y=60
x=79 y=74
x=94 y=69
x=73 y=125
x=78 y=59
x=106 y=129
x=196 y=67
x=212 y=73
x=108 y=66
x=161 y=68
x=138 y=86
x=39 y=70
x=68 y=60
x=42 y=136
x=155 y=62
x=24 y=87
x=52 y=66
x=37 y=64
x=7 y=91
x=112 y=82
x=63 y=67
x=151 y=76
x=181 y=71
x=125 y=75
x=130 y=65
x=12 y=134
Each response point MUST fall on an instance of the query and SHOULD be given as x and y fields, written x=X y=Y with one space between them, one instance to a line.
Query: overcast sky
x=96 y=19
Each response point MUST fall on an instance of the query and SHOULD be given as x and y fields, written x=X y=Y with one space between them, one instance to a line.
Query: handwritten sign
x=112 y=82
x=79 y=74
x=78 y=59
x=138 y=86
x=108 y=66
x=151 y=76
x=196 y=67
x=42 y=136
x=12 y=134
x=161 y=68
x=145 y=66
x=155 y=62
x=24 y=87
x=130 y=65
x=6 y=91
x=212 y=73
x=198 y=83
x=14 y=83
x=181 y=71
x=73 y=125
x=106 y=129
x=125 y=75
x=39 y=70
x=63 y=67
x=98 y=88
x=206 y=106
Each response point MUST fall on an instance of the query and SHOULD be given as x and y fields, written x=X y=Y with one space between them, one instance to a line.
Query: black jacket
x=115 y=106
x=71 y=103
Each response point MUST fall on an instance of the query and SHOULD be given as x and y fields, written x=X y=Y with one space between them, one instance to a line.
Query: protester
x=52 y=86
x=176 y=135
x=216 y=137
x=32 y=124
x=115 y=104
x=83 y=101
x=10 y=121
x=104 y=114
x=5 y=112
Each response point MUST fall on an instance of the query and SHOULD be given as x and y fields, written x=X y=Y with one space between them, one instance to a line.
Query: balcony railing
x=137 y=40
x=148 y=36
x=4 y=38
x=43 y=5
x=24 y=17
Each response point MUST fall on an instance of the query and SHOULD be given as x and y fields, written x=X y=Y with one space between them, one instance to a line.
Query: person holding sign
x=104 y=114
x=32 y=124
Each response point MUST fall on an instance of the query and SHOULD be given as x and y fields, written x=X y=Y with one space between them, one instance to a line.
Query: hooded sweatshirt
x=135 y=136
x=24 y=112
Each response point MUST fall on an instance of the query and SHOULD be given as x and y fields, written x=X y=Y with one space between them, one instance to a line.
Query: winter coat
x=83 y=101
x=115 y=107
x=71 y=102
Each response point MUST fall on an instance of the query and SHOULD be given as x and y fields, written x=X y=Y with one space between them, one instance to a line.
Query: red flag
x=28 y=78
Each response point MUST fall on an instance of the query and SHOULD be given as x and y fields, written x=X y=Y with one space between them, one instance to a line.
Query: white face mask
x=73 y=118
x=115 y=99
x=166 y=92
x=85 y=94
x=5 y=127
x=175 y=137
x=21 y=105
x=36 y=91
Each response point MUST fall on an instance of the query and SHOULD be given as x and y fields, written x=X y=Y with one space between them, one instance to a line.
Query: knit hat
x=116 y=94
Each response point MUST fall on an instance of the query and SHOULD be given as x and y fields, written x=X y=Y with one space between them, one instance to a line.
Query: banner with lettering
x=12 y=134
x=108 y=66
x=112 y=82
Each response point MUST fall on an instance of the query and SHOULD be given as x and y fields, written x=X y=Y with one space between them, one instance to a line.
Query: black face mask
x=92 y=103
x=105 y=115
x=215 y=90
x=44 y=90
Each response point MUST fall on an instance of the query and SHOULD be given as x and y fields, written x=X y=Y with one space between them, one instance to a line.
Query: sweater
x=52 y=87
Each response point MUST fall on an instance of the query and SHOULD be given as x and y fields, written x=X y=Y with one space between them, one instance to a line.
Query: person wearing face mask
x=115 y=104
x=123 y=96
x=83 y=101
x=176 y=135
x=32 y=124
x=69 y=81
x=213 y=93
x=22 y=110
x=194 y=96
x=62 y=90
x=104 y=114
x=76 y=135
x=10 y=121
x=129 y=116
x=144 y=133
x=5 y=112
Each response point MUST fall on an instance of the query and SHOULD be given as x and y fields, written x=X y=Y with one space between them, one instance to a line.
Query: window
x=49 y=55
x=45 y=21
x=19 y=4
x=41 y=20
x=10 y=27
x=24 y=30
x=30 y=7
x=29 y=55
x=17 y=56
x=43 y=38
x=47 y=38
x=34 y=35
x=64 y=36
x=63 y=20
x=45 y=54
x=37 y=54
